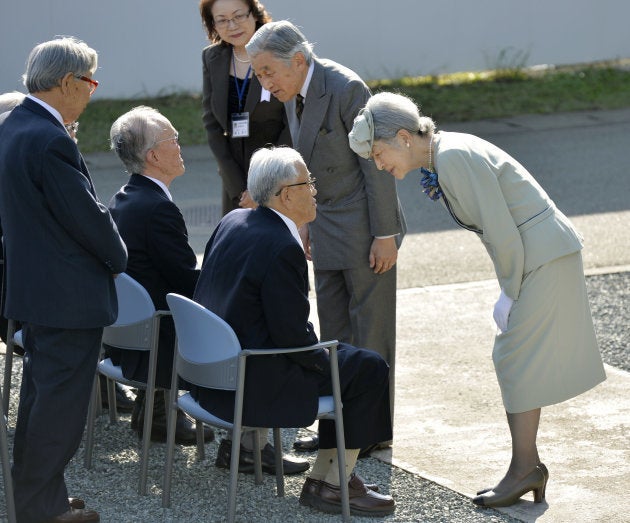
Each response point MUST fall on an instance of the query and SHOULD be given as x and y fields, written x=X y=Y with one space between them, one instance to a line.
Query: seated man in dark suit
x=254 y=276
x=160 y=258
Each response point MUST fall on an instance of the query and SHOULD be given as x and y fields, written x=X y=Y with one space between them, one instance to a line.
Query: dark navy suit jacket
x=60 y=243
x=254 y=276
x=160 y=259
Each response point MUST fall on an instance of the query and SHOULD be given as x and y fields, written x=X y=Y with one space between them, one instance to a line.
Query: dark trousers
x=364 y=381
x=59 y=370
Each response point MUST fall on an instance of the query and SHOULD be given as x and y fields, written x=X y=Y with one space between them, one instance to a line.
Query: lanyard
x=240 y=91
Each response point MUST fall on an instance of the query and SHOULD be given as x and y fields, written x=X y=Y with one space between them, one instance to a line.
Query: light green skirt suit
x=549 y=352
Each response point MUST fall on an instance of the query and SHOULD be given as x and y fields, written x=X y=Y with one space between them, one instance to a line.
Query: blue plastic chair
x=209 y=355
x=137 y=328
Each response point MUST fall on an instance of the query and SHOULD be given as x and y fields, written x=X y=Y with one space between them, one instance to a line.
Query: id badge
x=240 y=125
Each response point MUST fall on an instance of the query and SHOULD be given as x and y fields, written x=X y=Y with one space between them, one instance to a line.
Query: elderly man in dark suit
x=62 y=252
x=160 y=257
x=254 y=276
x=359 y=223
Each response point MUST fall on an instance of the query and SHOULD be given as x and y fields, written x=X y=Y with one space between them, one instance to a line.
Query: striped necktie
x=299 y=106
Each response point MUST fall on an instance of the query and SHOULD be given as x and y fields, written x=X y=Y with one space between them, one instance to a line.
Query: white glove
x=501 y=311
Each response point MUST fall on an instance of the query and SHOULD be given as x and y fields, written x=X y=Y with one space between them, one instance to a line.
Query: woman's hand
x=501 y=311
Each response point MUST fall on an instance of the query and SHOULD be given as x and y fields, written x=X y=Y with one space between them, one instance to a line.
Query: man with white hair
x=254 y=276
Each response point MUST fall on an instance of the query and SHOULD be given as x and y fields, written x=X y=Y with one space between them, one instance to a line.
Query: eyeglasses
x=237 y=20
x=310 y=182
x=93 y=83
x=174 y=139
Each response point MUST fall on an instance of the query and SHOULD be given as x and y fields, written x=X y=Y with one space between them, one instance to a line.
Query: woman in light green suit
x=545 y=351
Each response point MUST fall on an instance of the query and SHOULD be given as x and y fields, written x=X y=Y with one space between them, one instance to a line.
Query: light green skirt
x=549 y=352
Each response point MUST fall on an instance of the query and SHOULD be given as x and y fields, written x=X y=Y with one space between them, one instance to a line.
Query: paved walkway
x=450 y=425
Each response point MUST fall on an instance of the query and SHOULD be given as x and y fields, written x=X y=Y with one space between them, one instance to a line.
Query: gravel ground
x=199 y=488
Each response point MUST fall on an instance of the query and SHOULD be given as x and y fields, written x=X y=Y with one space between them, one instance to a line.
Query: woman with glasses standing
x=239 y=116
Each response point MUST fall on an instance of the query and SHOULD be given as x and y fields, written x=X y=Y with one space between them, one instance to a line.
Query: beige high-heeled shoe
x=541 y=466
x=535 y=481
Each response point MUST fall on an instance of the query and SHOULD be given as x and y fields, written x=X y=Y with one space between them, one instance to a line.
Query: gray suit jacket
x=355 y=202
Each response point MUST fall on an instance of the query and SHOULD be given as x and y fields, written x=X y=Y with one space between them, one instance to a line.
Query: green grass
x=446 y=98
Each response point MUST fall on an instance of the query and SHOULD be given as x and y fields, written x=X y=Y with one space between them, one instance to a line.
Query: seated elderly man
x=254 y=276
x=160 y=258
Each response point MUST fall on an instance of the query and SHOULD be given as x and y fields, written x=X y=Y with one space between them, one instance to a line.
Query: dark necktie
x=299 y=106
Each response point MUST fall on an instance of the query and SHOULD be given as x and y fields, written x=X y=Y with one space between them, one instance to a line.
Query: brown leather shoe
x=77 y=516
x=311 y=488
x=76 y=503
x=363 y=501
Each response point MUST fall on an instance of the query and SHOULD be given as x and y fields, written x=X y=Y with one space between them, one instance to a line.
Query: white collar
x=161 y=185
x=48 y=107
x=307 y=82
x=291 y=225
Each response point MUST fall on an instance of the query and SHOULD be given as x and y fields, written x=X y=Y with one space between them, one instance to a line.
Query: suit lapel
x=44 y=113
x=315 y=107
x=253 y=95
x=221 y=66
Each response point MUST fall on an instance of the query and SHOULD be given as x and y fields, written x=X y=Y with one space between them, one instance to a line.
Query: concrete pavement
x=450 y=425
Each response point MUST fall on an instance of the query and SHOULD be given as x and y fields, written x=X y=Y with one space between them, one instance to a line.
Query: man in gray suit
x=62 y=252
x=354 y=240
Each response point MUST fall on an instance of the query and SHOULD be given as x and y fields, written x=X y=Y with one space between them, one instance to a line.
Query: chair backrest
x=207 y=347
x=134 y=324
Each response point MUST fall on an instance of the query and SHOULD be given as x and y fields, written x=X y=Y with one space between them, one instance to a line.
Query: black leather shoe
x=185 y=431
x=307 y=444
x=124 y=397
x=77 y=516
x=268 y=458
x=77 y=503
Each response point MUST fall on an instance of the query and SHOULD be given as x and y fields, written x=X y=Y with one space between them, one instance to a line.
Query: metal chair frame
x=208 y=354
x=136 y=328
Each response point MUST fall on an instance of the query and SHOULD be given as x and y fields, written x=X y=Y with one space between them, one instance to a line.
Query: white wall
x=148 y=47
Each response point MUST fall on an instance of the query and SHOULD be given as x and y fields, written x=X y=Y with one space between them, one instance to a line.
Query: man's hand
x=383 y=254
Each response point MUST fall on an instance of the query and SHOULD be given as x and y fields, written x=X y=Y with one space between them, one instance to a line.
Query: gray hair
x=392 y=112
x=282 y=39
x=9 y=100
x=50 y=61
x=269 y=169
x=136 y=132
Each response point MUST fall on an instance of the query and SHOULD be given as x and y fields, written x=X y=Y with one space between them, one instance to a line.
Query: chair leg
x=201 y=448
x=170 y=450
x=277 y=443
x=89 y=430
x=258 y=477
x=146 y=441
x=6 y=470
x=236 y=454
x=111 y=401
x=8 y=368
